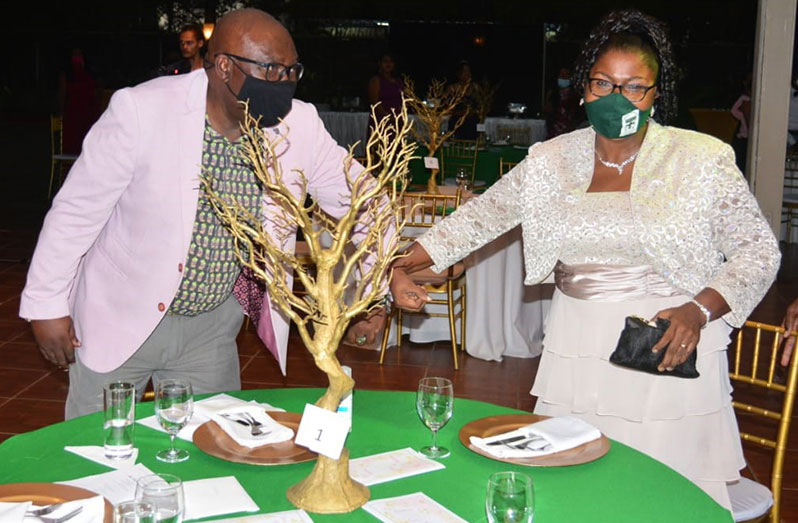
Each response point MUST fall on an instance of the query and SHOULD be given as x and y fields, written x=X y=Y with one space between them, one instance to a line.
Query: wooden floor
x=32 y=392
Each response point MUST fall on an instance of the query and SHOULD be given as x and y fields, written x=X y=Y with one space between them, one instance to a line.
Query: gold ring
x=683 y=345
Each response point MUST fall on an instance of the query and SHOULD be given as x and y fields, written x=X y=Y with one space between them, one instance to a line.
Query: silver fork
x=44 y=510
x=252 y=421
x=253 y=429
x=63 y=518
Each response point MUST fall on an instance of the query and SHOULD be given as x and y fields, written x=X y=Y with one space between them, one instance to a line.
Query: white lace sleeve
x=478 y=221
x=745 y=239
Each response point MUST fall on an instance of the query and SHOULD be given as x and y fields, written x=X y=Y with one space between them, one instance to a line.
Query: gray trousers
x=201 y=349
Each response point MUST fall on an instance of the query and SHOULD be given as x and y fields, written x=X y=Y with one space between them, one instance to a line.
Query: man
x=133 y=272
x=191 y=43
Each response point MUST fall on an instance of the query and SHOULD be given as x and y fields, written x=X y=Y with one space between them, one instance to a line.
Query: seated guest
x=634 y=218
x=134 y=276
x=468 y=129
x=790 y=322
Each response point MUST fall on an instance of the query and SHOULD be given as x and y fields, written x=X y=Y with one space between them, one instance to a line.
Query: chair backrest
x=791 y=174
x=514 y=134
x=754 y=365
x=56 y=135
x=459 y=154
x=505 y=166
x=421 y=211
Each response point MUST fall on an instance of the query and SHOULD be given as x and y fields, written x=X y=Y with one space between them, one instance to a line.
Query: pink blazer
x=113 y=245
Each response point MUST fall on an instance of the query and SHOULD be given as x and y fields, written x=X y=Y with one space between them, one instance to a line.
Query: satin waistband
x=611 y=282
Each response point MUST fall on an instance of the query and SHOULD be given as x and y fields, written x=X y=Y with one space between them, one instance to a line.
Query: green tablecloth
x=487 y=163
x=622 y=486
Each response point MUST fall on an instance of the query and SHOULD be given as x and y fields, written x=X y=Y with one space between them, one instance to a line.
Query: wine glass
x=174 y=403
x=510 y=498
x=165 y=493
x=434 y=403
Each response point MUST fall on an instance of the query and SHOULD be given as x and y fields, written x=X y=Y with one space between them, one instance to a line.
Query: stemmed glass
x=461 y=177
x=510 y=498
x=174 y=403
x=165 y=493
x=434 y=403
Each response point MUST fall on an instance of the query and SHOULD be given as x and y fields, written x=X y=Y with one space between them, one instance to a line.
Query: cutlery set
x=42 y=512
x=522 y=443
x=246 y=419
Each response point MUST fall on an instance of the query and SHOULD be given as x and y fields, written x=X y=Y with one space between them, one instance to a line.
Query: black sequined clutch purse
x=634 y=349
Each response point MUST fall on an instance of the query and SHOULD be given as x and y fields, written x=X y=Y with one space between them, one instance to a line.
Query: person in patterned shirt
x=134 y=277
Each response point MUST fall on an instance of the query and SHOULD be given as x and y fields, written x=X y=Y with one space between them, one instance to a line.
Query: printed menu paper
x=412 y=508
x=392 y=465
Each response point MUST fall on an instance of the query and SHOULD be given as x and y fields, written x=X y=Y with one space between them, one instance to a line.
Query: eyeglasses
x=274 y=72
x=632 y=92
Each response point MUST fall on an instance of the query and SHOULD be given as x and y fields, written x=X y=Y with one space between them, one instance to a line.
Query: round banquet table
x=622 y=486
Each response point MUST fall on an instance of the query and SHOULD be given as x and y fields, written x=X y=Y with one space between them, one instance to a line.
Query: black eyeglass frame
x=284 y=70
x=621 y=89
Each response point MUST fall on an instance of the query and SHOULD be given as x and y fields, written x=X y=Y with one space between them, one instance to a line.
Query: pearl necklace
x=618 y=166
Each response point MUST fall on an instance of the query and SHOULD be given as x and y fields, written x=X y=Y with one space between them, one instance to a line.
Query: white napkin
x=560 y=433
x=203 y=410
x=216 y=496
x=93 y=511
x=97 y=454
x=273 y=432
x=13 y=512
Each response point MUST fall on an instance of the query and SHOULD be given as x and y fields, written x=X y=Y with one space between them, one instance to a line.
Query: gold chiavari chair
x=790 y=195
x=59 y=162
x=420 y=212
x=457 y=155
x=505 y=166
x=754 y=366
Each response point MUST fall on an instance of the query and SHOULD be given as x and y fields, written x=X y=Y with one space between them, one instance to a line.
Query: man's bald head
x=254 y=34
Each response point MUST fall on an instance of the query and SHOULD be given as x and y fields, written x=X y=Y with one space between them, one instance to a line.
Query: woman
x=562 y=109
x=634 y=218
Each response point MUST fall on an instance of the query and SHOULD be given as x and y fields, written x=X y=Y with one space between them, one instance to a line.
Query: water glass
x=434 y=404
x=119 y=401
x=134 y=512
x=510 y=498
x=165 y=493
x=174 y=404
x=461 y=177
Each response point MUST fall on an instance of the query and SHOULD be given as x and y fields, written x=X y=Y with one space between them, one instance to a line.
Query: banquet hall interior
x=717 y=50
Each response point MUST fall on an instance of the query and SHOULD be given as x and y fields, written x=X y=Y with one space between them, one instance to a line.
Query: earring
x=582 y=101
x=653 y=110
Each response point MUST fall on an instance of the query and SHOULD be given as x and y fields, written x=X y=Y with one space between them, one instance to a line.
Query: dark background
x=340 y=41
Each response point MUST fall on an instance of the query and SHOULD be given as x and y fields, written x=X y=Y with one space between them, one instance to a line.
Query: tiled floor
x=32 y=392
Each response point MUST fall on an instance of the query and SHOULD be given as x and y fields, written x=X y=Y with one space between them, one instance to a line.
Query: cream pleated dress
x=688 y=424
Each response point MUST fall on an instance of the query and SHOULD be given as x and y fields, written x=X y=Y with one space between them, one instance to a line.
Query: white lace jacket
x=699 y=224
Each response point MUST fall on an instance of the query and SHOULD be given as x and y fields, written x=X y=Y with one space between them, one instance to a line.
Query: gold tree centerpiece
x=351 y=268
x=440 y=102
x=482 y=94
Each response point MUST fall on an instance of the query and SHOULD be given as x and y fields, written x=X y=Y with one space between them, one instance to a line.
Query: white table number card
x=322 y=431
x=481 y=128
x=430 y=162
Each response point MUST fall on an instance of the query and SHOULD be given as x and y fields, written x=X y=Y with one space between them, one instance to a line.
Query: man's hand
x=406 y=293
x=364 y=330
x=56 y=340
x=790 y=323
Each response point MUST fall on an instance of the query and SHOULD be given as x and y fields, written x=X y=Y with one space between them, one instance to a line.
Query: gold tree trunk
x=364 y=242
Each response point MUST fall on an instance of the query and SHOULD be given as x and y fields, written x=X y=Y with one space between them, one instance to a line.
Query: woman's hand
x=406 y=293
x=682 y=336
x=790 y=323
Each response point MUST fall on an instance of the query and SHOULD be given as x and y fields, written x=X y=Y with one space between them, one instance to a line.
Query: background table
x=622 y=486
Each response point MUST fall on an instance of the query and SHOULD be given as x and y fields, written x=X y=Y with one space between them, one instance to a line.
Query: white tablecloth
x=504 y=317
x=348 y=128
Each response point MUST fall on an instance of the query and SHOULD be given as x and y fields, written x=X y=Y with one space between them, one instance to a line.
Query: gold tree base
x=432 y=183
x=329 y=489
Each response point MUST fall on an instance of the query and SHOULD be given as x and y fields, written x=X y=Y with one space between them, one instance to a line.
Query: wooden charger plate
x=211 y=439
x=493 y=425
x=47 y=494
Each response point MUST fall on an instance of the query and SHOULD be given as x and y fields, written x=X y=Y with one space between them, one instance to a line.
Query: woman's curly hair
x=631 y=29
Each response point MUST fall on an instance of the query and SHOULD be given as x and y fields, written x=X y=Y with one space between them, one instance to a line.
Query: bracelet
x=704 y=311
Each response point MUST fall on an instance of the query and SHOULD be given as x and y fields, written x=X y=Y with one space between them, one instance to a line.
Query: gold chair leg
x=452 y=331
x=386 y=335
x=399 y=318
x=52 y=177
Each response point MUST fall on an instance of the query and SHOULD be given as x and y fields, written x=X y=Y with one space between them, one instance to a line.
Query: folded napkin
x=273 y=432
x=203 y=410
x=97 y=454
x=13 y=512
x=539 y=439
x=216 y=496
x=93 y=511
